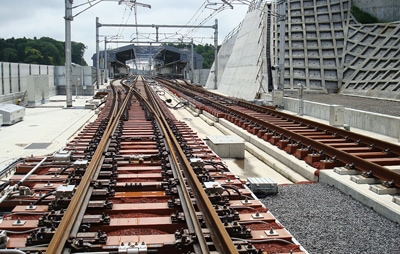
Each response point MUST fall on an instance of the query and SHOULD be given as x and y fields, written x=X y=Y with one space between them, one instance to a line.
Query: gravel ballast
x=324 y=220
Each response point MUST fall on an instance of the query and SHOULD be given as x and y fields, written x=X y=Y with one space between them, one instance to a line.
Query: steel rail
x=356 y=162
x=188 y=208
x=68 y=221
x=220 y=236
x=356 y=137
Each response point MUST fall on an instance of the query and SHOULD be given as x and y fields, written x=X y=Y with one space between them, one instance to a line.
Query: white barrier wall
x=14 y=75
x=38 y=90
x=16 y=79
x=378 y=123
x=6 y=81
x=200 y=76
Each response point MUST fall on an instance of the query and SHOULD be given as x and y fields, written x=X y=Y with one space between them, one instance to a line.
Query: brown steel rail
x=356 y=162
x=62 y=233
x=220 y=236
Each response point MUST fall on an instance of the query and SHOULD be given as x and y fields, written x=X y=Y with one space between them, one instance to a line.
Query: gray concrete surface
x=44 y=129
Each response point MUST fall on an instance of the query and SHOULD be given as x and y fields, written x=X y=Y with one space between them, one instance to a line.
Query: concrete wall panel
x=384 y=10
x=200 y=76
x=374 y=122
x=15 y=86
x=223 y=56
x=239 y=78
x=1 y=79
x=24 y=70
x=38 y=90
x=35 y=69
x=6 y=78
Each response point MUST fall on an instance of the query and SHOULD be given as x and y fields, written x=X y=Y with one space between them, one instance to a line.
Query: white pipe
x=11 y=189
x=32 y=170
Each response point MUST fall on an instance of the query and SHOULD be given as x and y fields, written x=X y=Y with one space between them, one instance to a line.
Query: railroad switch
x=65 y=191
x=92 y=237
x=213 y=187
x=228 y=217
x=51 y=219
x=196 y=162
x=230 y=213
x=174 y=203
x=218 y=199
x=136 y=248
x=101 y=183
x=171 y=191
x=105 y=192
x=170 y=186
x=59 y=203
x=234 y=229
x=40 y=236
x=178 y=217
x=81 y=164
x=109 y=168
x=167 y=173
x=183 y=238
x=86 y=241
x=205 y=177
x=100 y=219
x=107 y=174
x=103 y=204
x=62 y=156
x=25 y=191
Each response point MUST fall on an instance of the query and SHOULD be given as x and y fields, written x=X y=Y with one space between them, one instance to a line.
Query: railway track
x=319 y=145
x=135 y=181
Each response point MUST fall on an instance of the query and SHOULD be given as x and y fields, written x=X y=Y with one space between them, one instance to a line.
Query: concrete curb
x=382 y=204
x=278 y=160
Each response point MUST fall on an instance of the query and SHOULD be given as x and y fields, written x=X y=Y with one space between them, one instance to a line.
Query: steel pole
x=105 y=60
x=192 y=63
x=68 y=18
x=98 y=80
x=216 y=54
x=282 y=24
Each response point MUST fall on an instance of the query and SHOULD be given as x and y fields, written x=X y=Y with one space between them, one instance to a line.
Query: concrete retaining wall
x=200 y=76
x=79 y=73
x=16 y=80
x=223 y=56
x=384 y=10
x=374 y=122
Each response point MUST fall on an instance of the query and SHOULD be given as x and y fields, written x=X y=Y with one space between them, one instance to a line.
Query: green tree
x=9 y=55
x=78 y=50
x=39 y=51
x=206 y=51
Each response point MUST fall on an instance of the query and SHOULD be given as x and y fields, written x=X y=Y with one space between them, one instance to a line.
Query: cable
x=262 y=241
x=23 y=232
x=44 y=196
x=231 y=187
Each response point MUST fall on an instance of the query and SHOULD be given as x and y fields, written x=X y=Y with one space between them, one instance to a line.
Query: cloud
x=45 y=18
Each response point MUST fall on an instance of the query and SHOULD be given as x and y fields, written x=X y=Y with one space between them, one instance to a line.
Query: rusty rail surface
x=327 y=156
x=221 y=238
x=69 y=219
x=136 y=180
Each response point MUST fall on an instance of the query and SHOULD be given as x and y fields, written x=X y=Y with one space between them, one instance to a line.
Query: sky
x=45 y=18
